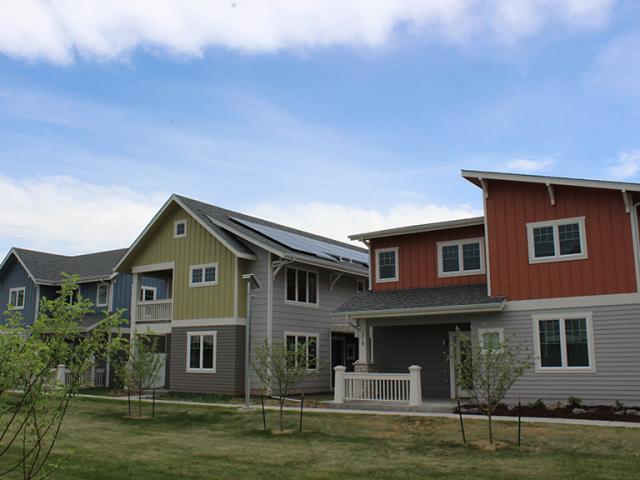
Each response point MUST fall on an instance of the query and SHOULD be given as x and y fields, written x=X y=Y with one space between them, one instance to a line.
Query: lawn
x=98 y=442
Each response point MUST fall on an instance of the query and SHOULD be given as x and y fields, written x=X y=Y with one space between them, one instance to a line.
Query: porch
x=152 y=297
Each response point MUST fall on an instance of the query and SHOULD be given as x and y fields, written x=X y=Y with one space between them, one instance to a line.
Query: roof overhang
x=476 y=177
x=15 y=254
x=426 y=311
x=425 y=227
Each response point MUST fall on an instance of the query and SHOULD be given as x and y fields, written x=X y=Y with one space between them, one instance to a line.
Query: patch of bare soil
x=597 y=412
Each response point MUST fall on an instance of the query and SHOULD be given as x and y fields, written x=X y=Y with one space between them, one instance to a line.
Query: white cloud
x=68 y=216
x=339 y=221
x=618 y=66
x=58 y=30
x=529 y=165
x=627 y=165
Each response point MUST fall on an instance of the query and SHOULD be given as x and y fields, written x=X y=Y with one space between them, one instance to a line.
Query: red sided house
x=553 y=265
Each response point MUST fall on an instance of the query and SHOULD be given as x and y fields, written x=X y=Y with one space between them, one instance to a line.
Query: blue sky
x=331 y=122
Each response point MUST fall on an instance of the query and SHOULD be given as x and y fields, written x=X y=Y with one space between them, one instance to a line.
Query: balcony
x=154 y=311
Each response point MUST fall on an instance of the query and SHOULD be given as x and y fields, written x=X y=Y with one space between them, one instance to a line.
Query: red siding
x=609 y=267
x=418 y=259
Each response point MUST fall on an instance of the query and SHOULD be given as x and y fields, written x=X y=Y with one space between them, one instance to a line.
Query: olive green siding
x=198 y=247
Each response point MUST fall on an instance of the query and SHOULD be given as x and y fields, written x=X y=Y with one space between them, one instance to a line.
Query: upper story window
x=461 y=257
x=102 y=296
x=387 y=265
x=301 y=286
x=564 y=342
x=557 y=240
x=201 y=351
x=16 y=297
x=148 y=294
x=203 y=275
x=180 y=229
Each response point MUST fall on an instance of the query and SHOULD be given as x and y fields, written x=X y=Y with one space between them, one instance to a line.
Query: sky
x=335 y=117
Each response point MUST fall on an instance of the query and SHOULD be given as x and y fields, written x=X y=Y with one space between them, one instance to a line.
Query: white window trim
x=461 y=272
x=24 y=297
x=483 y=331
x=561 y=317
x=556 y=240
x=214 y=333
x=298 y=302
x=202 y=267
x=304 y=334
x=153 y=289
x=396 y=277
x=103 y=285
x=175 y=228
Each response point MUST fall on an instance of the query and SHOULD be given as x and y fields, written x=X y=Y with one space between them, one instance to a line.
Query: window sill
x=387 y=280
x=563 y=258
x=565 y=369
x=202 y=284
x=464 y=273
x=302 y=304
x=193 y=370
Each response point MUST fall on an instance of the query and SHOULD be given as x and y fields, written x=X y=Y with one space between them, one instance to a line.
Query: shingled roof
x=420 y=300
x=48 y=267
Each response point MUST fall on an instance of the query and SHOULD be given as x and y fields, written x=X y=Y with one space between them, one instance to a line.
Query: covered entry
x=344 y=351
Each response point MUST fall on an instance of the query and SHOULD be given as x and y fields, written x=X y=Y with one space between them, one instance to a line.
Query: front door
x=338 y=354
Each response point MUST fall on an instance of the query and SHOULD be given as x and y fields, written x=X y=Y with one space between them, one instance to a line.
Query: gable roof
x=476 y=177
x=47 y=268
x=237 y=224
x=424 y=227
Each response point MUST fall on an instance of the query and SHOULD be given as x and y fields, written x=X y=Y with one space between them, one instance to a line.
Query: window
x=557 y=240
x=564 y=342
x=203 y=275
x=16 y=297
x=361 y=286
x=180 y=229
x=148 y=294
x=102 y=297
x=461 y=257
x=301 y=286
x=491 y=339
x=387 y=265
x=309 y=356
x=201 y=351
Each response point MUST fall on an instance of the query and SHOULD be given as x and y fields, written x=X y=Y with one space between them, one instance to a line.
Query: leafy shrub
x=619 y=405
x=575 y=402
x=539 y=403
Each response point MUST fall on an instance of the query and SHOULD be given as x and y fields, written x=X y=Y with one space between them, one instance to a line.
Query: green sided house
x=202 y=252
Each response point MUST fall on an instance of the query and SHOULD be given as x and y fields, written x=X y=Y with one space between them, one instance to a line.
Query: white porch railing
x=155 y=311
x=95 y=377
x=383 y=387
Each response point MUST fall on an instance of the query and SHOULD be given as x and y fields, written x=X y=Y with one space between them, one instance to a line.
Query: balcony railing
x=155 y=311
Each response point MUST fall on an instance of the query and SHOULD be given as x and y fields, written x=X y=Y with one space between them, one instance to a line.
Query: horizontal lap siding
x=229 y=376
x=15 y=277
x=313 y=320
x=259 y=304
x=617 y=357
x=418 y=259
x=609 y=267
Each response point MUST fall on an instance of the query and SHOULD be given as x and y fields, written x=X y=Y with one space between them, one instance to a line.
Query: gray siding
x=312 y=319
x=229 y=376
x=16 y=276
x=259 y=306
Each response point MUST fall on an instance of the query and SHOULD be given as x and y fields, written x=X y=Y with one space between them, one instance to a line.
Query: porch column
x=133 y=311
x=364 y=363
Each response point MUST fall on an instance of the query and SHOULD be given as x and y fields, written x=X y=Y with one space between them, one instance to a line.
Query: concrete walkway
x=345 y=411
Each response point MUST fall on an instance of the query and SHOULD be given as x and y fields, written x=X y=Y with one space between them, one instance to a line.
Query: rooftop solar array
x=295 y=241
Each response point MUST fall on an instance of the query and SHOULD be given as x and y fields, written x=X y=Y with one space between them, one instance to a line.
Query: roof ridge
x=18 y=249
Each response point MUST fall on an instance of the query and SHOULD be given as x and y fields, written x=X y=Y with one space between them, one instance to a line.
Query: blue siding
x=16 y=276
x=122 y=290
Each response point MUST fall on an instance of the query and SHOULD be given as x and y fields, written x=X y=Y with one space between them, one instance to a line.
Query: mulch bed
x=597 y=412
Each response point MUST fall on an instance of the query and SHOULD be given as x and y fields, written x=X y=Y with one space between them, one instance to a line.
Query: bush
x=574 y=402
x=539 y=403
x=619 y=405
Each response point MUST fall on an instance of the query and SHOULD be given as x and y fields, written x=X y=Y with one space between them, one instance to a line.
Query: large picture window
x=564 y=342
x=301 y=286
x=557 y=240
x=387 y=265
x=16 y=297
x=461 y=257
x=309 y=356
x=201 y=351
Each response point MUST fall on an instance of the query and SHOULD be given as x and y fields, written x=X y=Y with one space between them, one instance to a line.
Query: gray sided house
x=203 y=252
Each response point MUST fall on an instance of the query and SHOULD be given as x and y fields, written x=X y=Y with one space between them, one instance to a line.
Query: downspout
x=252 y=281
x=636 y=242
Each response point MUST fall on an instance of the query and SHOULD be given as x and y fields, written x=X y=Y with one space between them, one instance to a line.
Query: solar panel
x=301 y=243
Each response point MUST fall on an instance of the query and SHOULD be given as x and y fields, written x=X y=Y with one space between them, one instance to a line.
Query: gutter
x=413 y=312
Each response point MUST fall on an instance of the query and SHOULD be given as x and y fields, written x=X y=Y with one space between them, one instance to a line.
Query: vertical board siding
x=198 y=247
x=609 y=268
x=16 y=276
x=418 y=259
x=229 y=376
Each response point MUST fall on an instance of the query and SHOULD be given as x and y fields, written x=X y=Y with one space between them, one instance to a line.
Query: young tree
x=487 y=371
x=32 y=403
x=140 y=371
x=281 y=368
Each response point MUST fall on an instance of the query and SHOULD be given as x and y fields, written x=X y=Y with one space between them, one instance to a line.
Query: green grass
x=98 y=442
